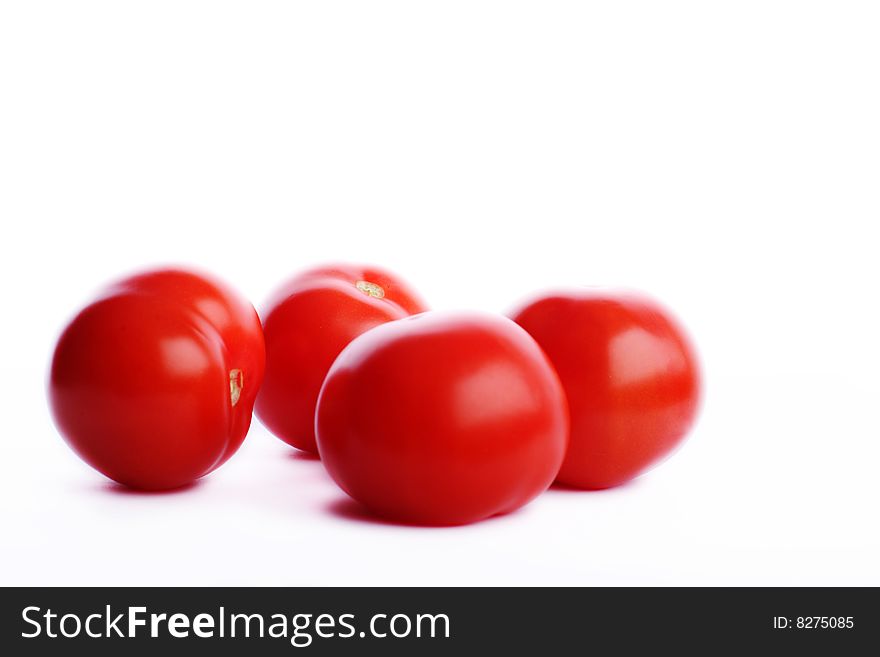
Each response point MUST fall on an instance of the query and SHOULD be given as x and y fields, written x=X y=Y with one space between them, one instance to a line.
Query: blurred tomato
x=153 y=383
x=630 y=375
x=309 y=321
x=442 y=419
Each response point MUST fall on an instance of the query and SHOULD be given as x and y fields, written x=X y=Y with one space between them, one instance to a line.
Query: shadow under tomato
x=118 y=489
x=299 y=455
x=348 y=509
x=558 y=486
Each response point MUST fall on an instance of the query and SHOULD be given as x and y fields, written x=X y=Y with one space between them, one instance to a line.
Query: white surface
x=722 y=156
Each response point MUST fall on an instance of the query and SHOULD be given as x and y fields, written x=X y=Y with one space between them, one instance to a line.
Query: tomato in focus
x=153 y=383
x=631 y=377
x=442 y=419
x=308 y=322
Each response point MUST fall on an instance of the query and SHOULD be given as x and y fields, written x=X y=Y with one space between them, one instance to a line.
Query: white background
x=723 y=156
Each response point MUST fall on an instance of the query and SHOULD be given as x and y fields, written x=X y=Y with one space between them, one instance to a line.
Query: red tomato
x=630 y=375
x=153 y=384
x=442 y=419
x=309 y=321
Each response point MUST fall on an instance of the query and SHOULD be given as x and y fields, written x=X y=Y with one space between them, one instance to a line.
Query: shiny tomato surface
x=308 y=322
x=630 y=375
x=153 y=383
x=442 y=419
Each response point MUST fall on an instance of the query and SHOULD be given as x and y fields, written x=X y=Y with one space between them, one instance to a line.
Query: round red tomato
x=630 y=375
x=309 y=321
x=153 y=384
x=442 y=419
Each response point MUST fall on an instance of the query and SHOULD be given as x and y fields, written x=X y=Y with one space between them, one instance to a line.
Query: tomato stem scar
x=370 y=289
x=236 y=383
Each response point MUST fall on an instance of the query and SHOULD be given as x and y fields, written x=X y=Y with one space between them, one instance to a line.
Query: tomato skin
x=631 y=377
x=140 y=383
x=442 y=419
x=307 y=323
